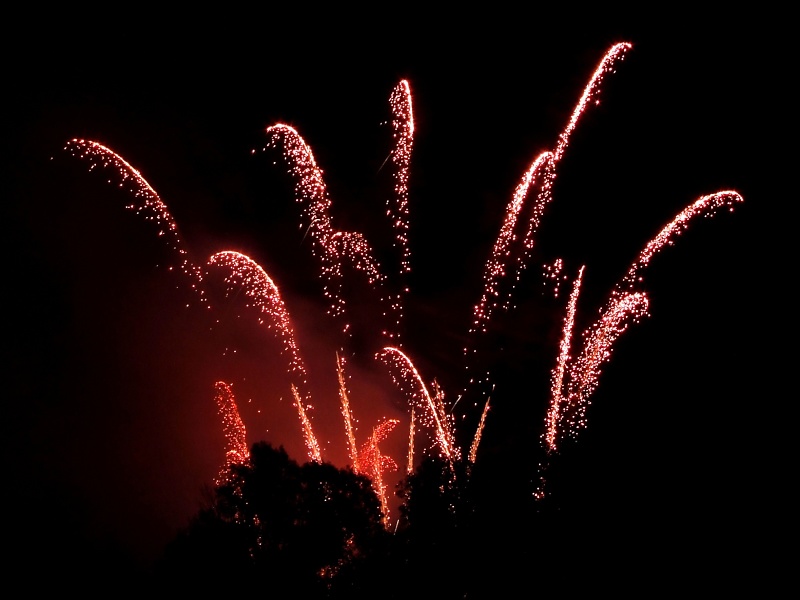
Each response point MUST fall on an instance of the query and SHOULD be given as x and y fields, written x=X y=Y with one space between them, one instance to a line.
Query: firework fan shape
x=343 y=255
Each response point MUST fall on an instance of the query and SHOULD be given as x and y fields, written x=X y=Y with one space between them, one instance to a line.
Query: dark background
x=110 y=425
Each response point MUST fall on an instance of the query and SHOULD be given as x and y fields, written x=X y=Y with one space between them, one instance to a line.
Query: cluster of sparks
x=438 y=418
x=578 y=365
x=537 y=182
x=237 y=451
x=144 y=200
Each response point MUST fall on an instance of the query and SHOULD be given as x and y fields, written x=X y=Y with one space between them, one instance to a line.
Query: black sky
x=107 y=416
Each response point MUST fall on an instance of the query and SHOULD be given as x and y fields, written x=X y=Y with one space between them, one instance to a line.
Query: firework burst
x=343 y=254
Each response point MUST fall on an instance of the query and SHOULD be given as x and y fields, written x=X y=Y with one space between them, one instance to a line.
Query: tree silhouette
x=436 y=533
x=312 y=530
x=315 y=531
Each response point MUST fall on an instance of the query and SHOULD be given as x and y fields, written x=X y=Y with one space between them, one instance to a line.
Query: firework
x=473 y=449
x=343 y=255
x=236 y=451
x=407 y=377
x=312 y=444
x=556 y=388
x=538 y=178
x=333 y=248
x=374 y=463
x=242 y=273
x=145 y=202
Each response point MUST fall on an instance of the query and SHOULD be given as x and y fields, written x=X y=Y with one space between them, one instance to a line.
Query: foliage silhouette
x=310 y=529
x=313 y=530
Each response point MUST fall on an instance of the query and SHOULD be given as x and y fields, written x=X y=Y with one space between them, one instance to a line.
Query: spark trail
x=237 y=451
x=346 y=413
x=145 y=202
x=333 y=248
x=567 y=412
x=373 y=463
x=705 y=206
x=397 y=205
x=314 y=453
x=473 y=449
x=243 y=273
x=538 y=180
x=336 y=249
x=556 y=389
x=407 y=377
x=584 y=371
x=345 y=254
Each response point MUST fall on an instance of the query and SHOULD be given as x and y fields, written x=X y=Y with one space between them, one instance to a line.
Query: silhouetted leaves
x=309 y=529
x=313 y=530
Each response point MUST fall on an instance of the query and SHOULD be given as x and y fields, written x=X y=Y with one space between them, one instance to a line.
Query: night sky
x=111 y=429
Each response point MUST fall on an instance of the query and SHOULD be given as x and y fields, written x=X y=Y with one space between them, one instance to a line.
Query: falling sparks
x=411 y=423
x=403 y=128
x=236 y=450
x=144 y=200
x=243 y=273
x=553 y=274
x=397 y=206
x=312 y=444
x=335 y=249
x=556 y=390
x=496 y=265
x=368 y=460
x=346 y=413
x=705 y=206
x=599 y=340
x=473 y=449
x=591 y=93
x=373 y=463
x=407 y=377
x=343 y=255
x=538 y=178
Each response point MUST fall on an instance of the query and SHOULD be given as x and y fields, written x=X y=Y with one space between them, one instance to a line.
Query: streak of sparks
x=539 y=177
x=310 y=439
x=574 y=379
x=243 y=273
x=346 y=413
x=411 y=423
x=584 y=371
x=397 y=206
x=367 y=460
x=591 y=93
x=374 y=463
x=403 y=127
x=557 y=385
x=705 y=206
x=476 y=440
x=622 y=307
x=331 y=246
x=236 y=449
x=410 y=379
x=145 y=201
x=495 y=268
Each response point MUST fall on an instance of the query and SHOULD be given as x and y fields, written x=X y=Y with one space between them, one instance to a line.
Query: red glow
x=429 y=418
